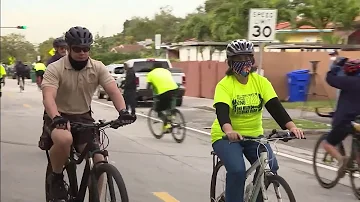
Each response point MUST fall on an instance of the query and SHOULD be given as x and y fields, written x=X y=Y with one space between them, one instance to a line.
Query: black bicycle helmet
x=58 y=42
x=79 y=36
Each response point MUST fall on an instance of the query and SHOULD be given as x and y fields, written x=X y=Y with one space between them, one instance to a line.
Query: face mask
x=333 y=58
x=243 y=68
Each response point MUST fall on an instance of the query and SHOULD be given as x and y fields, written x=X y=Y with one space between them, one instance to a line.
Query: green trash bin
x=33 y=76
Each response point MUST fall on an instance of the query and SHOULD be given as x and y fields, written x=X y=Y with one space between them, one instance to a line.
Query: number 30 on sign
x=262 y=24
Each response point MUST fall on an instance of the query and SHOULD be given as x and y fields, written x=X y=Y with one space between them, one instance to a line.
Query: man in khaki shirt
x=68 y=87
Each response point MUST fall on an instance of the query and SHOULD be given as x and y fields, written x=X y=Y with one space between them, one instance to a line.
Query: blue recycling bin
x=298 y=82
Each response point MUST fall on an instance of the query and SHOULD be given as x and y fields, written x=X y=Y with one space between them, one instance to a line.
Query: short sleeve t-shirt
x=162 y=80
x=246 y=104
x=75 y=89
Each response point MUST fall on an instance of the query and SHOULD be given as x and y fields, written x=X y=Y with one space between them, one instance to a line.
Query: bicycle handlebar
x=101 y=124
x=274 y=135
x=328 y=115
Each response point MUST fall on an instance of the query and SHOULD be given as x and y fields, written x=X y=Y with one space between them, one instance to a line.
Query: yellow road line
x=26 y=105
x=165 y=197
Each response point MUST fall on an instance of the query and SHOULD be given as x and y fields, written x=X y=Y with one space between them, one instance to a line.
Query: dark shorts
x=339 y=133
x=165 y=100
x=79 y=137
x=40 y=73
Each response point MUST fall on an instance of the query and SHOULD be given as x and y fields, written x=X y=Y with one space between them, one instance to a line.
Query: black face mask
x=77 y=65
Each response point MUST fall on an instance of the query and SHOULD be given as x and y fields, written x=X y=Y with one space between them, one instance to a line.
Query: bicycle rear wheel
x=112 y=173
x=213 y=197
x=153 y=119
x=326 y=158
x=178 y=127
x=21 y=85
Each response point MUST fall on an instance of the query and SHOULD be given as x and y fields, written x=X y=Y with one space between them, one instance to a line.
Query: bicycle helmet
x=239 y=47
x=352 y=67
x=78 y=36
x=58 y=42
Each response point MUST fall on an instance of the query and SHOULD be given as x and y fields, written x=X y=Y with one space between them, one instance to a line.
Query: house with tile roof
x=308 y=34
x=304 y=34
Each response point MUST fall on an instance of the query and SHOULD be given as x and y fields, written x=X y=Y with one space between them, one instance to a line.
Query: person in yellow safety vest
x=39 y=71
x=2 y=77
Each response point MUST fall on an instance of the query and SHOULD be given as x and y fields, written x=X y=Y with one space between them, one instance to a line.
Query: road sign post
x=262 y=28
x=157 y=43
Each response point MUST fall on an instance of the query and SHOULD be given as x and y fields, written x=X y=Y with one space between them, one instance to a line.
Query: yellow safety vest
x=2 y=71
x=40 y=67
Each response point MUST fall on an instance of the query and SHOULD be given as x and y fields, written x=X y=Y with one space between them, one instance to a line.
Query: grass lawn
x=301 y=123
x=323 y=105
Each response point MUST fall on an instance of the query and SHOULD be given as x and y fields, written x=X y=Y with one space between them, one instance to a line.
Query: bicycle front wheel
x=178 y=126
x=324 y=159
x=278 y=181
x=113 y=191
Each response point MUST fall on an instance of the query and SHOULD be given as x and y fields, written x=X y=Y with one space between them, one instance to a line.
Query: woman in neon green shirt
x=239 y=100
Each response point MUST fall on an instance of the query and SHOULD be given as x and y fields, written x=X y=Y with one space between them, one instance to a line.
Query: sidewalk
x=207 y=104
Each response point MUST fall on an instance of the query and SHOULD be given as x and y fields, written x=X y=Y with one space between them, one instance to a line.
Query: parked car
x=142 y=66
x=116 y=70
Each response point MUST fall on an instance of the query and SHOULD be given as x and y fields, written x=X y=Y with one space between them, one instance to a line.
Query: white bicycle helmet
x=239 y=47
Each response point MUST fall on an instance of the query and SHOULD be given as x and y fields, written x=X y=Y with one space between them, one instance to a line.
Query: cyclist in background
x=165 y=89
x=239 y=100
x=39 y=71
x=347 y=108
x=20 y=73
x=2 y=77
x=129 y=86
x=60 y=47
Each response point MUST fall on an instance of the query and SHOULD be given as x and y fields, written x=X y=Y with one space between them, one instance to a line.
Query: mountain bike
x=92 y=170
x=353 y=166
x=176 y=128
x=264 y=177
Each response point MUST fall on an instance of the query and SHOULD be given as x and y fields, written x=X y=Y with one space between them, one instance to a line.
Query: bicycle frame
x=262 y=164
x=89 y=152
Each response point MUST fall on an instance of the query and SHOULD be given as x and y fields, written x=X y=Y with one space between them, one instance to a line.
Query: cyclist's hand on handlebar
x=124 y=119
x=233 y=136
x=60 y=122
x=297 y=132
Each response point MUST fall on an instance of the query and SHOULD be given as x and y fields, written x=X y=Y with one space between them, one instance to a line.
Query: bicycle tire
x=278 y=179
x=71 y=173
x=355 y=190
x=112 y=171
x=182 y=138
x=354 y=152
x=213 y=183
x=318 y=178
x=149 y=120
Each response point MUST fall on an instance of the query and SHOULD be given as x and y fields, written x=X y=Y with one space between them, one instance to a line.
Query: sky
x=46 y=18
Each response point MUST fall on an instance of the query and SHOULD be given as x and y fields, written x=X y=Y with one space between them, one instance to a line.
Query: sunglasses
x=78 y=49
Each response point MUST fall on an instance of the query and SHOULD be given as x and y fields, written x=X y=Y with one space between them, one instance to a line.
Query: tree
x=195 y=25
x=44 y=49
x=16 y=46
x=320 y=14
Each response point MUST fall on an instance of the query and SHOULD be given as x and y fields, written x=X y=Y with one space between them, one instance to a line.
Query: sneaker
x=343 y=164
x=58 y=190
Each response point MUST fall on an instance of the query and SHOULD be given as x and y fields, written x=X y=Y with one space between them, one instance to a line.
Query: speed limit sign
x=262 y=24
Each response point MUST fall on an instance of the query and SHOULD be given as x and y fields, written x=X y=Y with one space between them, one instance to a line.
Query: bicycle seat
x=213 y=153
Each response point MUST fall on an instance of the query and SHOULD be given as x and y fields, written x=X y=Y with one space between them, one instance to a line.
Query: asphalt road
x=154 y=170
